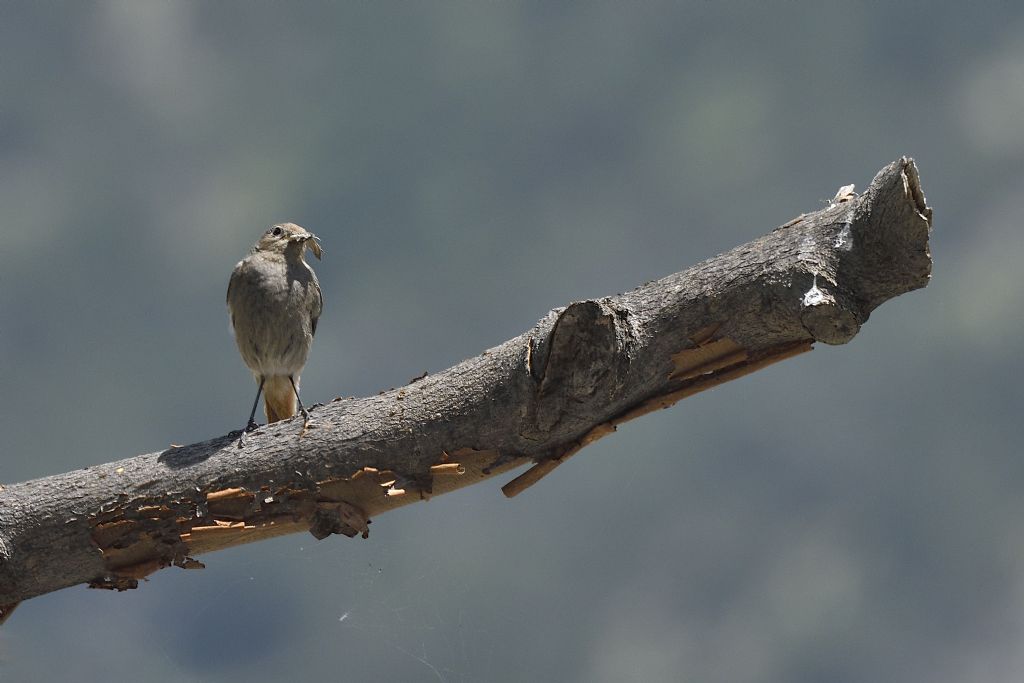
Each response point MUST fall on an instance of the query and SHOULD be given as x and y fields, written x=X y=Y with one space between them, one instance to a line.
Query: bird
x=274 y=302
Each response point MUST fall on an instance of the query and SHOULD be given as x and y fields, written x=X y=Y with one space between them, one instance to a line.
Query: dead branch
x=539 y=398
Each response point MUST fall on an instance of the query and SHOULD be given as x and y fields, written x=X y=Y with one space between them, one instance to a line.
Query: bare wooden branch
x=539 y=398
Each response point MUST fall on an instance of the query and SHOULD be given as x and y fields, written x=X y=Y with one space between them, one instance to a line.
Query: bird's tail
x=279 y=398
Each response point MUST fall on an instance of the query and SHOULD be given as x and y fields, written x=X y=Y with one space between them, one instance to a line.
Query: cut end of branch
x=912 y=187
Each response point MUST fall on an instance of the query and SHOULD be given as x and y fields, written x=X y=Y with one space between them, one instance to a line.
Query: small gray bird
x=274 y=300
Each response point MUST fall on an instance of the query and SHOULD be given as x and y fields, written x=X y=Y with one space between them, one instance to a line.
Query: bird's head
x=283 y=235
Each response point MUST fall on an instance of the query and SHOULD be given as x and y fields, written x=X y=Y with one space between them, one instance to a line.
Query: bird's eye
x=277 y=231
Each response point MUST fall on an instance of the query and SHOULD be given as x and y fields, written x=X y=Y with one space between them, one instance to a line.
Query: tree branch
x=540 y=398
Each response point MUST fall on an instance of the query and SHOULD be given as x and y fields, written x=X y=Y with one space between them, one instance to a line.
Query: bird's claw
x=251 y=427
x=306 y=421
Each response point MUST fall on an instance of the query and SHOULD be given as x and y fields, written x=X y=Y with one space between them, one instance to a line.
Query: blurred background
x=854 y=514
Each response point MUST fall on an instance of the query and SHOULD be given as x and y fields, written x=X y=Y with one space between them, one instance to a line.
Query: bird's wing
x=318 y=306
x=234 y=278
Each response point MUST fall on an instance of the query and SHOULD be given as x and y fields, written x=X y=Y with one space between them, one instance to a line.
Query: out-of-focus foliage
x=850 y=515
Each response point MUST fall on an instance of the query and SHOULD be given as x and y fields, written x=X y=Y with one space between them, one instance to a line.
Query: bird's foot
x=306 y=421
x=251 y=427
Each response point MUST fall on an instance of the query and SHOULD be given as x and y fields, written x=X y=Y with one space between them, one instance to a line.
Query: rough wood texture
x=537 y=398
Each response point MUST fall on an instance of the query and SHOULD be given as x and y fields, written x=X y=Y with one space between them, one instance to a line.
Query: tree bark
x=538 y=398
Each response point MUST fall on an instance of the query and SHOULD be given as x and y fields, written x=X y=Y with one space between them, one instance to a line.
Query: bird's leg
x=251 y=425
x=302 y=408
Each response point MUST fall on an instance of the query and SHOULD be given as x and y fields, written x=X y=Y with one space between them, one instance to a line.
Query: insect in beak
x=313 y=242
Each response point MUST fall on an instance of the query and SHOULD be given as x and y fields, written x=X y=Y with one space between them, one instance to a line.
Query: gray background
x=854 y=514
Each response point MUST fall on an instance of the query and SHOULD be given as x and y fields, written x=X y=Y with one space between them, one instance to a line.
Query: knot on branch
x=580 y=365
x=338 y=517
x=827 y=314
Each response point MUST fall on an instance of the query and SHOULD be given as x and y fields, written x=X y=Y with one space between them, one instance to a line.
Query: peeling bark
x=538 y=398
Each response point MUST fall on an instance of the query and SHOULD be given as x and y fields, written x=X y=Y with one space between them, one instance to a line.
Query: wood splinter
x=546 y=467
x=448 y=468
x=226 y=494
